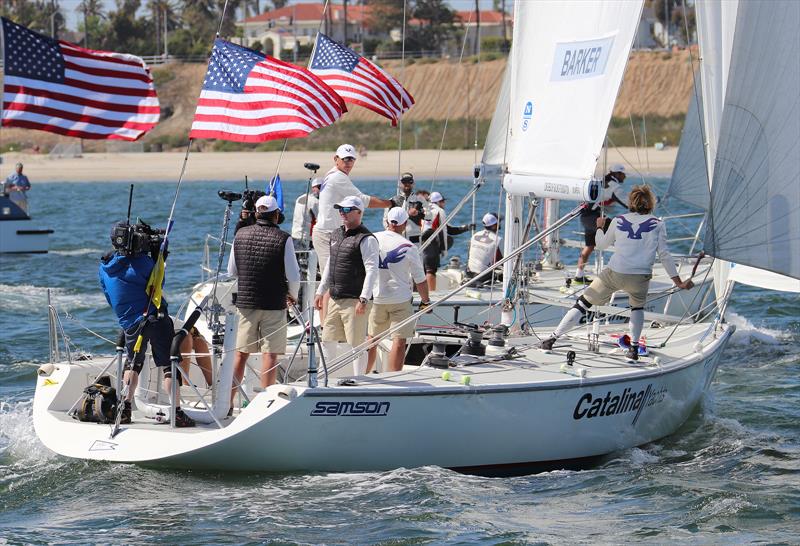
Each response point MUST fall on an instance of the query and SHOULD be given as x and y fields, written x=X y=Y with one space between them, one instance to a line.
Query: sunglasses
x=348 y=159
x=345 y=210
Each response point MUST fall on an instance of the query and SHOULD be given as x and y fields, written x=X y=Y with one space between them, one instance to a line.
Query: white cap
x=350 y=201
x=397 y=216
x=436 y=197
x=316 y=182
x=346 y=150
x=267 y=201
x=617 y=168
x=489 y=219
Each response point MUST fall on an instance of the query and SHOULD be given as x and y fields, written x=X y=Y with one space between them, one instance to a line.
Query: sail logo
x=350 y=409
x=580 y=60
x=628 y=401
x=527 y=114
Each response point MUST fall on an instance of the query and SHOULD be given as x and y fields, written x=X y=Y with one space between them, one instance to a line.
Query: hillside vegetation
x=656 y=89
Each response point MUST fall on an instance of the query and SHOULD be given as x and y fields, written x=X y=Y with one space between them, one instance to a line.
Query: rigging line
x=635 y=145
x=449 y=109
x=400 y=120
x=222 y=18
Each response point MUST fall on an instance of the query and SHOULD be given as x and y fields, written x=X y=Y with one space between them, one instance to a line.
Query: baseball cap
x=267 y=201
x=489 y=219
x=436 y=197
x=397 y=216
x=346 y=150
x=351 y=201
x=316 y=182
x=617 y=168
x=407 y=178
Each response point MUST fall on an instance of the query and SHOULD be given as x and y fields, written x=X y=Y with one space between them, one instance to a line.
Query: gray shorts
x=608 y=282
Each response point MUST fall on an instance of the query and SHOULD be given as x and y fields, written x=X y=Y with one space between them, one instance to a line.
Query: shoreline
x=166 y=166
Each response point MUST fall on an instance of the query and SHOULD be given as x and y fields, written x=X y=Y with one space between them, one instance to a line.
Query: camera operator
x=124 y=274
x=247 y=216
x=263 y=258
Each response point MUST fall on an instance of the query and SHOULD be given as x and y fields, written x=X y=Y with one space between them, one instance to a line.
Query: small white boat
x=18 y=233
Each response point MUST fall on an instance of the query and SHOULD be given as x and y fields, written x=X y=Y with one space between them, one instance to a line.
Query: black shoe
x=547 y=344
x=632 y=354
x=126 y=414
x=583 y=279
x=182 y=420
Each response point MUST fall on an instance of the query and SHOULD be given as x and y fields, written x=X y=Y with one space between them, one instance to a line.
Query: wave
x=18 y=441
x=747 y=333
x=27 y=297
x=79 y=252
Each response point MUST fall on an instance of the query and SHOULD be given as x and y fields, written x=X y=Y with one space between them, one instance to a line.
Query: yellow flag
x=156 y=280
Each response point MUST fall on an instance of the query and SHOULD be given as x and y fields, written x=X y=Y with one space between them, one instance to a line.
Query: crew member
x=398 y=266
x=263 y=258
x=306 y=210
x=437 y=248
x=335 y=187
x=638 y=237
x=350 y=274
x=247 y=216
x=414 y=206
x=195 y=345
x=17 y=186
x=123 y=277
x=609 y=194
x=484 y=248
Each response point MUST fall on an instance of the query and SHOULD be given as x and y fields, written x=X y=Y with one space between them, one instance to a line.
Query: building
x=491 y=25
x=284 y=31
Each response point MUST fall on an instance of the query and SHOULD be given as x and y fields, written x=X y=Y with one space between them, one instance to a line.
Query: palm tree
x=93 y=13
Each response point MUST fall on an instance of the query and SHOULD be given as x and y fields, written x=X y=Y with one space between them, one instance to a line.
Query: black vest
x=259 y=251
x=346 y=275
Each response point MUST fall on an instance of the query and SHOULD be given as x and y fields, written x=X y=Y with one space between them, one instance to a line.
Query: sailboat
x=488 y=401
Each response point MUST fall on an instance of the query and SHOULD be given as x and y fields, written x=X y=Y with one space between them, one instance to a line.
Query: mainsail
x=754 y=214
x=566 y=68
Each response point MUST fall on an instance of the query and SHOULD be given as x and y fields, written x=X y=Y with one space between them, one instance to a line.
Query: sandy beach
x=260 y=165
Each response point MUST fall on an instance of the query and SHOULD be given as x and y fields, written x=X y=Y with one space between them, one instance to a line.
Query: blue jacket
x=124 y=281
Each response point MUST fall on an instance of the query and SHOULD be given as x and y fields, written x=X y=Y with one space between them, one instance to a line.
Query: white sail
x=754 y=215
x=689 y=182
x=494 y=151
x=567 y=66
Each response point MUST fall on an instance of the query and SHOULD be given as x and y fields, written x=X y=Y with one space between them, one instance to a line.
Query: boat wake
x=79 y=252
x=747 y=333
x=24 y=297
x=19 y=446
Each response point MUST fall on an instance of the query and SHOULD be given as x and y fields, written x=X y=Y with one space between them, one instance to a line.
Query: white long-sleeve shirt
x=637 y=239
x=399 y=264
x=335 y=187
x=304 y=215
x=370 y=254
x=290 y=266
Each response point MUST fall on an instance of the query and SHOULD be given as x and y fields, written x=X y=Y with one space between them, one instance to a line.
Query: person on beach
x=484 y=248
x=349 y=275
x=399 y=265
x=124 y=277
x=638 y=238
x=264 y=260
x=336 y=185
x=437 y=248
x=17 y=186
x=609 y=189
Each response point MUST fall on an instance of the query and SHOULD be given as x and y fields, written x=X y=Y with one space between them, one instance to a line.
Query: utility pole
x=344 y=6
x=166 y=48
x=476 y=45
x=85 y=26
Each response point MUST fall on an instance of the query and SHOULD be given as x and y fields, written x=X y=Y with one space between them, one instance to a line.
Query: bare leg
x=132 y=379
x=397 y=354
x=238 y=371
x=583 y=259
x=269 y=369
x=431 y=281
x=372 y=355
x=203 y=359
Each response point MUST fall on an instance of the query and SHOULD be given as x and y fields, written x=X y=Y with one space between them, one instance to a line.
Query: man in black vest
x=263 y=258
x=349 y=274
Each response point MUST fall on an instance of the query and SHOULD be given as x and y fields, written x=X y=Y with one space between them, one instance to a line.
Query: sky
x=69 y=7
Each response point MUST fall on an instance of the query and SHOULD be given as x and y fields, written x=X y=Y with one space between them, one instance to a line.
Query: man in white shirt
x=349 y=275
x=484 y=248
x=638 y=237
x=437 y=249
x=399 y=264
x=336 y=185
x=264 y=261
x=305 y=214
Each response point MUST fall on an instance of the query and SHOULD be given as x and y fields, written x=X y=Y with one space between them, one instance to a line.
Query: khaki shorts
x=322 y=246
x=388 y=315
x=342 y=324
x=608 y=282
x=261 y=329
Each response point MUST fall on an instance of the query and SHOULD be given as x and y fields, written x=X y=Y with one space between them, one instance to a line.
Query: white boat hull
x=23 y=237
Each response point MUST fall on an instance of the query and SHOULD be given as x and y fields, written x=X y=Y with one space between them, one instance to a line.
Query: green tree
x=94 y=19
x=436 y=26
x=385 y=15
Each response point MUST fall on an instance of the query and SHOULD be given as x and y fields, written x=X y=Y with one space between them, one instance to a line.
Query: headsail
x=754 y=215
x=566 y=68
x=494 y=151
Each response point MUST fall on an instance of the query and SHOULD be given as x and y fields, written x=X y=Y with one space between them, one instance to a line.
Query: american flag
x=248 y=97
x=359 y=81
x=62 y=88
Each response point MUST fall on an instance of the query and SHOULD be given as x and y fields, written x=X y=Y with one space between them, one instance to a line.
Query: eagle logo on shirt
x=394 y=256
x=625 y=225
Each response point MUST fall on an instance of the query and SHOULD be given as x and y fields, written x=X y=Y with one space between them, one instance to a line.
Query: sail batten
x=754 y=212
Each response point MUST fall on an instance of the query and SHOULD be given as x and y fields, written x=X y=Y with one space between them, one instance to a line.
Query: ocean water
x=731 y=474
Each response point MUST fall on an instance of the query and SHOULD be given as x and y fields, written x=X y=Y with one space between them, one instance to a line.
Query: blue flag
x=275 y=189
